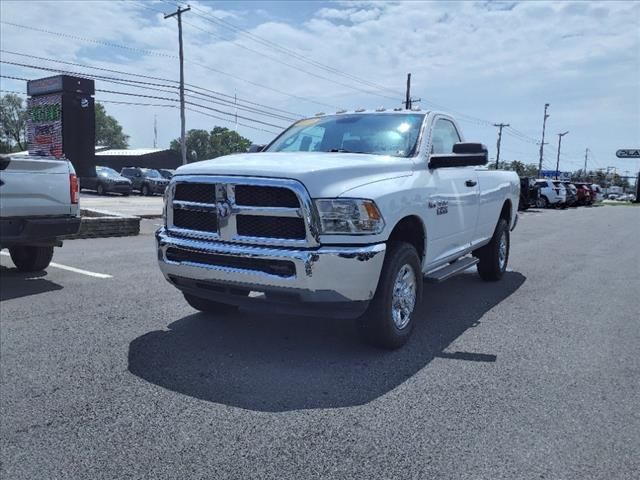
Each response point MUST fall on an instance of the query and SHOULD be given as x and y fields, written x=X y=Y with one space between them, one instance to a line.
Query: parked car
x=147 y=181
x=572 y=193
x=550 y=194
x=597 y=191
x=39 y=203
x=332 y=218
x=585 y=195
x=106 y=181
x=166 y=173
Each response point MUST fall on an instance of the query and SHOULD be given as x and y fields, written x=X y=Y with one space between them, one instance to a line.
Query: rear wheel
x=31 y=259
x=208 y=306
x=390 y=317
x=145 y=191
x=100 y=189
x=494 y=256
x=543 y=202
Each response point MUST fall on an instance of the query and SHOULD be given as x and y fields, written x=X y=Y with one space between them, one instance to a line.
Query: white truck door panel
x=453 y=204
x=452 y=211
x=35 y=187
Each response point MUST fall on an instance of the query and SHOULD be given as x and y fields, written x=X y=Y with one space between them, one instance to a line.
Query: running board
x=451 y=270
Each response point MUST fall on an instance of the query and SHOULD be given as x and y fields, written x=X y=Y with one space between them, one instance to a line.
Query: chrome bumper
x=324 y=274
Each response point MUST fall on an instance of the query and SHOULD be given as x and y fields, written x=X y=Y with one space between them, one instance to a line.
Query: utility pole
x=155 y=131
x=183 y=142
x=586 y=154
x=408 y=103
x=560 y=135
x=500 y=127
x=544 y=124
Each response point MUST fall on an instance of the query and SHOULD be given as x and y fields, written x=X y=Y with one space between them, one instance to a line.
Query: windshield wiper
x=341 y=150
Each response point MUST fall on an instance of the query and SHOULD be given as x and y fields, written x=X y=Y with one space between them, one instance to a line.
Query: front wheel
x=144 y=190
x=494 y=256
x=31 y=259
x=389 y=319
x=208 y=306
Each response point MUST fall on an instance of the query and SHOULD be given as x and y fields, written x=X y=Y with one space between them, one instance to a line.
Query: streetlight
x=560 y=135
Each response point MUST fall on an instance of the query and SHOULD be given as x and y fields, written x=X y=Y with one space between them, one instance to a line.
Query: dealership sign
x=44 y=125
x=628 y=153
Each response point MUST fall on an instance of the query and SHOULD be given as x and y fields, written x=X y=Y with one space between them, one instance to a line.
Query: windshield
x=379 y=134
x=107 y=172
x=166 y=173
x=152 y=174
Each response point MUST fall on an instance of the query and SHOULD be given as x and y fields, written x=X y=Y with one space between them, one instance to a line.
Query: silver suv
x=550 y=194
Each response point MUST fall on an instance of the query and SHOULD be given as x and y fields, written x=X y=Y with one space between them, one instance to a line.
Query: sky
x=484 y=62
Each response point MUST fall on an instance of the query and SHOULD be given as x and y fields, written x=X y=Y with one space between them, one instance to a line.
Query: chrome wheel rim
x=502 y=251
x=404 y=296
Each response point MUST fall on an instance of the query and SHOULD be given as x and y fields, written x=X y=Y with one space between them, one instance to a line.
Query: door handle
x=470 y=183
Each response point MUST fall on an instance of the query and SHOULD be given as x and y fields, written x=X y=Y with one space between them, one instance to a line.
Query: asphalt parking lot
x=107 y=373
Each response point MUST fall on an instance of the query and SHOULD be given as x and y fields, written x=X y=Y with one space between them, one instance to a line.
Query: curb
x=101 y=224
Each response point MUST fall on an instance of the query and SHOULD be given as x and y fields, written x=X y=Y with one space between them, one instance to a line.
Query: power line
x=150 y=77
x=155 y=97
x=146 y=87
x=155 y=53
x=288 y=51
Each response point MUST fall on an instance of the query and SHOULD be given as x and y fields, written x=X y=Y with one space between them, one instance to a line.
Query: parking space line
x=73 y=269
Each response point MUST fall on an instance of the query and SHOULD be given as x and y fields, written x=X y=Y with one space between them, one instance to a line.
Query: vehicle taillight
x=74 y=188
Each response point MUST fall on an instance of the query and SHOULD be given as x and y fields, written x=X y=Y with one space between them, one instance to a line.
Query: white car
x=342 y=214
x=39 y=203
x=597 y=191
x=551 y=195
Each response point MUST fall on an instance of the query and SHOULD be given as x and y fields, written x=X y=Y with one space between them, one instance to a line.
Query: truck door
x=453 y=199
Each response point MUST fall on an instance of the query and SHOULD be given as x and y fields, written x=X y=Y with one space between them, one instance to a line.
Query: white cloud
x=499 y=61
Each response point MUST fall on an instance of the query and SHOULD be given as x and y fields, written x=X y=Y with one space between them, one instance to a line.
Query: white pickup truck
x=38 y=204
x=345 y=214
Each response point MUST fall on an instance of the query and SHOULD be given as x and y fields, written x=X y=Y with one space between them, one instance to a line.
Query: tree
x=203 y=145
x=13 y=123
x=197 y=145
x=108 y=130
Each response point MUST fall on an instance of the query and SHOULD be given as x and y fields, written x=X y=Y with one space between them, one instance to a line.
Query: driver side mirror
x=464 y=154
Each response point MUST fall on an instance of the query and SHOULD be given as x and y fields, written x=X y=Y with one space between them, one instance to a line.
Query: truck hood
x=323 y=174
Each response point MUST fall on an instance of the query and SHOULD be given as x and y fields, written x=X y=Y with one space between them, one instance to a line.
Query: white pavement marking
x=73 y=269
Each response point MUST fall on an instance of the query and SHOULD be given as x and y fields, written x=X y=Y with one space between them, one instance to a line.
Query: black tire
x=100 y=189
x=377 y=324
x=492 y=265
x=543 y=202
x=125 y=194
x=208 y=306
x=31 y=259
x=144 y=190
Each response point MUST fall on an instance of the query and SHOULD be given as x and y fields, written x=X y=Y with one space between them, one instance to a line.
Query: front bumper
x=157 y=187
x=329 y=275
x=118 y=188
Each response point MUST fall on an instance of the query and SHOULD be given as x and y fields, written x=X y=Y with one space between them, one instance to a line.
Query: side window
x=444 y=136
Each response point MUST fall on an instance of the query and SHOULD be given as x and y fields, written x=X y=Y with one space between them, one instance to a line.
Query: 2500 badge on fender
x=332 y=217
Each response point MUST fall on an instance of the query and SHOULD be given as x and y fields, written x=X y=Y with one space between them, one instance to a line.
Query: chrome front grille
x=242 y=210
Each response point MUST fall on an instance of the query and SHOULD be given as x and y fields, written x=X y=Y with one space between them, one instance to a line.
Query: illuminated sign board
x=44 y=125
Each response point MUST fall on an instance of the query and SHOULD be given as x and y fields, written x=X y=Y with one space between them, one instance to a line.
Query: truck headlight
x=349 y=216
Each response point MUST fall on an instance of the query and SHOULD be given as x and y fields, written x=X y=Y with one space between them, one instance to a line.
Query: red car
x=585 y=194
